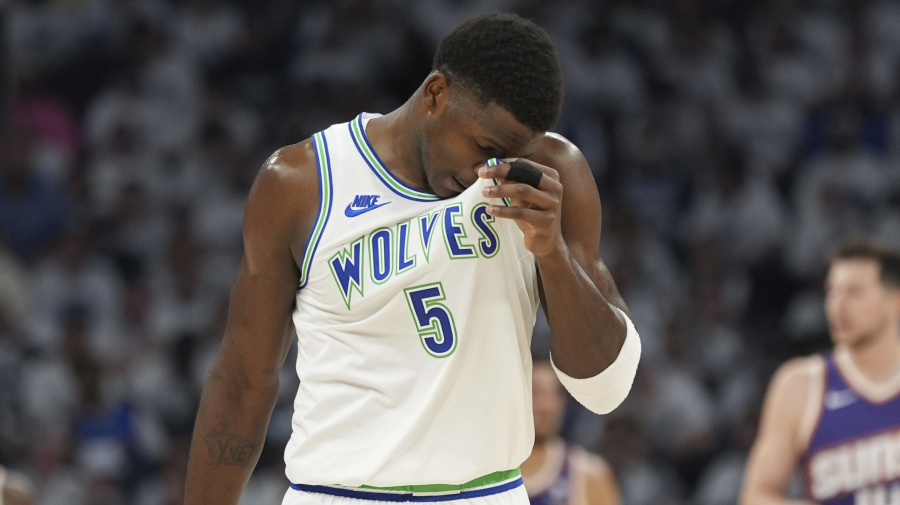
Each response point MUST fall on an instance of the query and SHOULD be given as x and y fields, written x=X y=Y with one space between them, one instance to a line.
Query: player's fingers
x=525 y=194
x=546 y=184
x=535 y=217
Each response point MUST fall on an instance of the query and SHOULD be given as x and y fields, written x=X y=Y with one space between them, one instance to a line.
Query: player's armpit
x=776 y=450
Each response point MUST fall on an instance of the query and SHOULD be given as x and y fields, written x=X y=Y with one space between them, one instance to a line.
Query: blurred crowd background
x=733 y=142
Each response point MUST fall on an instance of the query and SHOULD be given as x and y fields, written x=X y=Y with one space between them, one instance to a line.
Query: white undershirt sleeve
x=608 y=389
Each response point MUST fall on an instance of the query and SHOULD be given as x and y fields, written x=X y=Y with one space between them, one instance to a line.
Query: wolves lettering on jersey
x=426 y=227
x=387 y=258
x=404 y=262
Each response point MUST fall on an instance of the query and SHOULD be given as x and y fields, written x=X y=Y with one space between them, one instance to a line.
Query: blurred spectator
x=765 y=128
x=744 y=214
x=207 y=30
x=33 y=210
x=56 y=138
x=14 y=292
x=76 y=276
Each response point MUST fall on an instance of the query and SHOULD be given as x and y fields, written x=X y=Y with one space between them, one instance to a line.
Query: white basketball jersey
x=414 y=318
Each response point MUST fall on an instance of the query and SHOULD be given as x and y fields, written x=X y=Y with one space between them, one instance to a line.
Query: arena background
x=734 y=142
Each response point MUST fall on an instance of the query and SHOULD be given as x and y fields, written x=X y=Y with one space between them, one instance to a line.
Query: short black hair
x=508 y=60
x=888 y=259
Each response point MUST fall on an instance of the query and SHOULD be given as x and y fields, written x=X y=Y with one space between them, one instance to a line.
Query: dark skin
x=438 y=141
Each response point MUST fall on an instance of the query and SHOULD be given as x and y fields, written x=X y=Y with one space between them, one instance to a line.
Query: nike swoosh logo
x=351 y=212
x=839 y=399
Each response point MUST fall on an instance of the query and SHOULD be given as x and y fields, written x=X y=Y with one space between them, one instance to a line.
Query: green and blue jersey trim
x=487 y=485
x=326 y=192
x=358 y=134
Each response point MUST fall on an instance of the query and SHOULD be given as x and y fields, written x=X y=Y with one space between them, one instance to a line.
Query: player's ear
x=435 y=93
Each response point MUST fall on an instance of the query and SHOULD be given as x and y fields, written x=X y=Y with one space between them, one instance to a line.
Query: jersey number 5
x=433 y=319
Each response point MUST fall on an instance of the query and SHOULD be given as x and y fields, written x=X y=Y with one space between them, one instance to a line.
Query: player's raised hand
x=536 y=195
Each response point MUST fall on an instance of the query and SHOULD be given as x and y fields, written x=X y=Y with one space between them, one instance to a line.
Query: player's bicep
x=258 y=330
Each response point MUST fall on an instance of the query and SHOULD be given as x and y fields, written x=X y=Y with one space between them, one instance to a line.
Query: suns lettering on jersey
x=386 y=252
x=864 y=467
x=880 y=495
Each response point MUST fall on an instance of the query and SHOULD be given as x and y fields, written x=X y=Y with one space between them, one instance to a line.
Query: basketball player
x=838 y=415
x=407 y=261
x=556 y=473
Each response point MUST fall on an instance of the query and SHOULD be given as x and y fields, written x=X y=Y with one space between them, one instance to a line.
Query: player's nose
x=468 y=177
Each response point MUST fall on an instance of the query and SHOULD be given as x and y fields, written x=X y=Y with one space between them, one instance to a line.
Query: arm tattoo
x=224 y=448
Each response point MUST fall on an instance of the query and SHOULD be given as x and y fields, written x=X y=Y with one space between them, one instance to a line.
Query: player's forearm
x=587 y=333
x=228 y=437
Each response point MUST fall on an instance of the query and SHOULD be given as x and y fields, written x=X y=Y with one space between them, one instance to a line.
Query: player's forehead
x=492 y=122
x=853 y=271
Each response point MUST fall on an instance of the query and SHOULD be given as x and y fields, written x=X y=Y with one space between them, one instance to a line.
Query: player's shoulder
x=558 y=152
x=799 y=370
x=291 y=164
x=284 y=197
x=561 y=154
x=289 y=177
x=794 y=378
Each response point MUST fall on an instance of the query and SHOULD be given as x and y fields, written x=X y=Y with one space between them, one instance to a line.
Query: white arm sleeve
x=608 y=389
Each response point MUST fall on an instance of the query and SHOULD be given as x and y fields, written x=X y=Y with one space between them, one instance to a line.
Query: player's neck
x=394 y=138
x=879 y=357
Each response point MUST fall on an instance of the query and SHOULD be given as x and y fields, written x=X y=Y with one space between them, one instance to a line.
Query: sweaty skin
x=431 y=143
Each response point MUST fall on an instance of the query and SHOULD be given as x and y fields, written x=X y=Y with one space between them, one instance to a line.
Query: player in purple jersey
x=557 y=473
x=838 y=415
